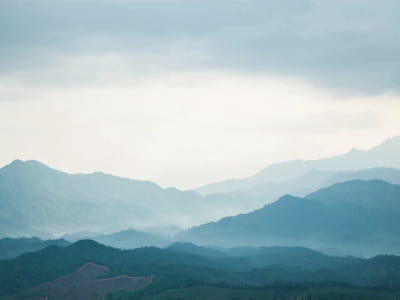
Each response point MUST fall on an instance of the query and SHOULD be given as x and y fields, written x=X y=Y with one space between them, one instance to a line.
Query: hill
x=130 y=239
x=261 y=257
x=55 y=268
x=10 y=248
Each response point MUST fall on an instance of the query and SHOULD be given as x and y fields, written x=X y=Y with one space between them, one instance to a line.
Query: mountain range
x=354 y=217
x=324 y=229
x=384 y=155
x=36 y=200
x=259 y=195
x=52 y=270
x=130 y=239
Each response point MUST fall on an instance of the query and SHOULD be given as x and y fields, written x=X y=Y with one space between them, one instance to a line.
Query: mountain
x=53 y=270
x=130 y=239
x=261 y=194
x=383 y=155
x=36 y=200
x=10 y=248
x=354 y=217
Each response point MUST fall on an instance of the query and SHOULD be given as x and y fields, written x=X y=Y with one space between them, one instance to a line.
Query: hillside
x=87 y=282
x=341 y=219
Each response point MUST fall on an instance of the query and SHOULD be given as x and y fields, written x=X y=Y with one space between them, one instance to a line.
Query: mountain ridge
x=382 y=155
x=41 y=198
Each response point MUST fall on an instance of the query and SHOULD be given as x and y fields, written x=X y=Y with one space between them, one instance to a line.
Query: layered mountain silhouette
x=259 y=195
x=355 y=217
x=58 y=272
x=130 y=239
x=383 y=155
x=36 y=200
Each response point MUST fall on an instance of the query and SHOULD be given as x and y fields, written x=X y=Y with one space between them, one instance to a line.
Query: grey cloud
x=347 y=45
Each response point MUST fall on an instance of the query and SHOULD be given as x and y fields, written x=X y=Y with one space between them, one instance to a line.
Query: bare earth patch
x=84 y=284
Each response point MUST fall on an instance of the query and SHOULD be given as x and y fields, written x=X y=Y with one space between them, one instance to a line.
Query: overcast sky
x=187 y=92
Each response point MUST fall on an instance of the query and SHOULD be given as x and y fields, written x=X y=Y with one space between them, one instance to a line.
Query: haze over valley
x=54 y=203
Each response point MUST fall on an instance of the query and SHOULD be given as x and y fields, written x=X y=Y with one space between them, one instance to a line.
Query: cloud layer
x=346 y=45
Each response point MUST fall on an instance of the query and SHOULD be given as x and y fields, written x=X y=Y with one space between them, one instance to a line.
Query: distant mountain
x=355 y=217
x=36 y=200
x=383 y=155
x=10 y=248
x=261 y=194
x=130 y=239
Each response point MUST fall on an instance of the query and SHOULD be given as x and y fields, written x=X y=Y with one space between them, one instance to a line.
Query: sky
x=188 y=92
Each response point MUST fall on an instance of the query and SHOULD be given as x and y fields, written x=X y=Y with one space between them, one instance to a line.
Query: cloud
x=349 y=46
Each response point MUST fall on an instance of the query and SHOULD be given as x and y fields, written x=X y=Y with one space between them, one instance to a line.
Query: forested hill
x=10 y=248
x=172 y=269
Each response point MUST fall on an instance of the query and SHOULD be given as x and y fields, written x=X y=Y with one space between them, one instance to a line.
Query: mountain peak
x=87 y=244
x=392 y=141
x=372 y=193
x=31 y=163
x=19 y=166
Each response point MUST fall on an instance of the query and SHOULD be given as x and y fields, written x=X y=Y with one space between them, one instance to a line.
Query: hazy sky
x=186 y=92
